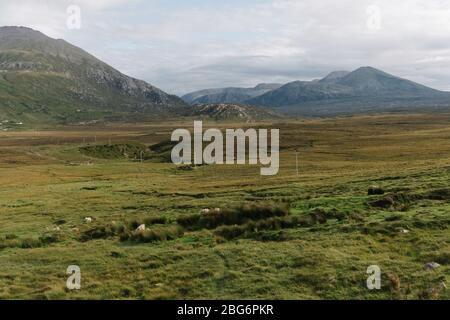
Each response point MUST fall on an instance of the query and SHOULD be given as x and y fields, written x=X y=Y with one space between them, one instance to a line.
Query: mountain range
x=229 y=95
x=44 y=80
x=363 y=90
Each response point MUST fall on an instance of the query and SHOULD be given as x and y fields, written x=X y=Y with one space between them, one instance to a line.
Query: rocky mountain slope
x=48 y=80
x=229 y=95
x=236 y=112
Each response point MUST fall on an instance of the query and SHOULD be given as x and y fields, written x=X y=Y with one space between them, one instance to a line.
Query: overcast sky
x=185 y=45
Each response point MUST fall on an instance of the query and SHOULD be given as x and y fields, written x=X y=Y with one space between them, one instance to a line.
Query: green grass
x=255 y=248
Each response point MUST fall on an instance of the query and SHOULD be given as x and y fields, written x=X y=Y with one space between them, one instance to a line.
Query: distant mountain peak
x=364 y=86
x=335 y=75
x=370 y=70
x=228 y=95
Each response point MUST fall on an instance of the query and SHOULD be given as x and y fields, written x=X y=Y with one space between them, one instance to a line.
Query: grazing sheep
x=88 y=219
x=217 y=210
x=205 y=211
x=141 y=228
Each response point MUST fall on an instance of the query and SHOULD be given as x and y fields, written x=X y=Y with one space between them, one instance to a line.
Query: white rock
x=432 y=266
x=88 y=219
x=141 y=228
x=404 y=231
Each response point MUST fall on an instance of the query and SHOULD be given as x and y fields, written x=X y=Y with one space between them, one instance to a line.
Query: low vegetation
x=239 y=215
x=370 y=190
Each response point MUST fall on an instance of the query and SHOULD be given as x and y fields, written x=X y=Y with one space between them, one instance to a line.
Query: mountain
x=237 y=112
x=365 y=89
x=48 y=80
x=334 y=76
x=228 y=95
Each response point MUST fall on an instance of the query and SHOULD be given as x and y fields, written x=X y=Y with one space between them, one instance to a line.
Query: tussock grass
x=12 y=241
x=233 y=216
x=321 y=250
x=153 y=235
x=128 y=231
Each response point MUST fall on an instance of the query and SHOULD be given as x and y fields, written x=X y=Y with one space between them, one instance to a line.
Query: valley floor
x=48 y=188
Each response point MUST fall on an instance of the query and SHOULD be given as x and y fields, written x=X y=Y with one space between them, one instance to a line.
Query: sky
x=186 y=45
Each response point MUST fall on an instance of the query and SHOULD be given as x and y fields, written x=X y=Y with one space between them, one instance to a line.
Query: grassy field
x=319 y=248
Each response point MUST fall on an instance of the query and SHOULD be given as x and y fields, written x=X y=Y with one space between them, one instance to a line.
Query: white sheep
x=205 y=211
x=88 y=219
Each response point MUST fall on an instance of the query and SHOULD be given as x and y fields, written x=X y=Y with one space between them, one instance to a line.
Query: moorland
x=309 y=235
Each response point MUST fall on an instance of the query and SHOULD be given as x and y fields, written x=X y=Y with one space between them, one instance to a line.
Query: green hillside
x=51 y=81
